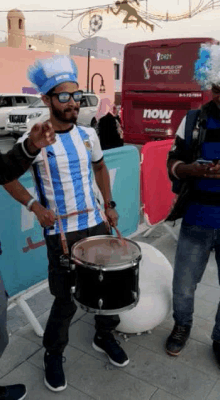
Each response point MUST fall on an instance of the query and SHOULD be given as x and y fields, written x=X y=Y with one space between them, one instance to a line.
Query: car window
x=20 y=100
x=32 y=100
x=93 y=101
x=6 y=101
x=83 y=102
x=38 y=103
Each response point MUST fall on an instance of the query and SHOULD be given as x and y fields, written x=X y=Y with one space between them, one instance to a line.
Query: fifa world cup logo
x=147 y=67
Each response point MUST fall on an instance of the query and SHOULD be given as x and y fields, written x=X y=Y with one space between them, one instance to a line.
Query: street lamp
x=88 y=68
x=102 y=86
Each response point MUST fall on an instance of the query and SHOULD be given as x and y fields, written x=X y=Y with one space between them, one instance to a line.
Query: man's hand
x=45 y=217
x=41 y=135
x=213 y=171
x=184 y=171
x=112 y=216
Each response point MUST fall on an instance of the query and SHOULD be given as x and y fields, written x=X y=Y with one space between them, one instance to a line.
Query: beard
x=62 y=115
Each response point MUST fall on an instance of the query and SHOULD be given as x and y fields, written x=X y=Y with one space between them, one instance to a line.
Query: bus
x=158 y=87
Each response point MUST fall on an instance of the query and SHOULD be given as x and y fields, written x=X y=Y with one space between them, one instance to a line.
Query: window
x=32 y=100
x=38 y=104
x=83 y=102
x=6 y=101
x=117 y=71
x=93 y=101
x=9 y=24
x=20 y=22
x=20 y=100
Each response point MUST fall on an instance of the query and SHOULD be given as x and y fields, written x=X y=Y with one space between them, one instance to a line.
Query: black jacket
x=14 y=163
x=178 y=152
x=108 y=132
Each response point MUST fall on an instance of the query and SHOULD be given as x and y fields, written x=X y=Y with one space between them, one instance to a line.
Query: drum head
x=108 y=251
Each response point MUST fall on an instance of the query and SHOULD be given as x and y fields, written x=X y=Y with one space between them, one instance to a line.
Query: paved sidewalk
x=151 y=373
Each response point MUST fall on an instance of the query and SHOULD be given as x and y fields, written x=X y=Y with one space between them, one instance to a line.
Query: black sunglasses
x=64 y=97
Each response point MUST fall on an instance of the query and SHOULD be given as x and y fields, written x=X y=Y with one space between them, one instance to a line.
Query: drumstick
x=120 y=237
x=62 y=234
x=74 y=213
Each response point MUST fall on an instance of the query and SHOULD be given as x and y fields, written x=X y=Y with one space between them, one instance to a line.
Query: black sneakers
x=54 y=376
x=216 y=351
x=177 y=339
x=111 y=347
x=13 y=392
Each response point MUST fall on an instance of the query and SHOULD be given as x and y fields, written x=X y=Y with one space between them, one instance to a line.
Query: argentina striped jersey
x=70 y=162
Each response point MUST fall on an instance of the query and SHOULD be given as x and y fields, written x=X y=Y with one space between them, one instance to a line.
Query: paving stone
x=204 y=309
x=154 y=340
x=200 y=357
x=208 y=293
x=210 y=276
x=107 y=383
x=32 y=377
x=89 y=318
x=162 y=395
x=18 y=350
x=164 y=372
x=214 y=395
x=202 y=330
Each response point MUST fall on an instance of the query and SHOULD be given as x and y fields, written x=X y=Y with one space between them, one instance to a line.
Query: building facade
x=102 y=48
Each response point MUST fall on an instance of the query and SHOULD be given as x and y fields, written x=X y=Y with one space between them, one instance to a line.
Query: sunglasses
x=64 y=97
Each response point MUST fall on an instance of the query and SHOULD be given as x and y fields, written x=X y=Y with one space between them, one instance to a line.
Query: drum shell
x=106 y=292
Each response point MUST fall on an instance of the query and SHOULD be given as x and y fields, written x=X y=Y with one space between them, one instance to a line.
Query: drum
x=106 y=274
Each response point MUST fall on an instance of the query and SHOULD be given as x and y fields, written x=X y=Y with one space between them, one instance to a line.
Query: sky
x=203 y=25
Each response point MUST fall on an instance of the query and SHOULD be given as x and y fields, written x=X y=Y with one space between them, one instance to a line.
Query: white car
x=20 y=121
x=13 y=101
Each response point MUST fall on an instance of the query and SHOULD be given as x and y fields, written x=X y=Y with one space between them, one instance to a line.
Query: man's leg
x=192 y=255
x=56 y=334
x=15 y=392
x=104 y=340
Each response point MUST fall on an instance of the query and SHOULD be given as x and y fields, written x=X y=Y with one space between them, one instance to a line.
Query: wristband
x=29 y=204
x=173 y=168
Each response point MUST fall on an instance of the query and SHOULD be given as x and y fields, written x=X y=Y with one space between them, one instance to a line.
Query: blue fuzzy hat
x=207 y=67
x=48 y=73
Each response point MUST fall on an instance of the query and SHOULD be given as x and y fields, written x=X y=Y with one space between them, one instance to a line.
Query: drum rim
x=119 y=266
x=115 y=311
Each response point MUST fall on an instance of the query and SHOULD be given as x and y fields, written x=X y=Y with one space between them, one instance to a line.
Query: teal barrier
x=23 y=262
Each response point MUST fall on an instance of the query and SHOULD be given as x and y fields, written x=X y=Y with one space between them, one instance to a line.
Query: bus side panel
x=159 y=88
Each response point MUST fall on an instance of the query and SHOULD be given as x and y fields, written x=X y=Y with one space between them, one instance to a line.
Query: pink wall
x=15 y=62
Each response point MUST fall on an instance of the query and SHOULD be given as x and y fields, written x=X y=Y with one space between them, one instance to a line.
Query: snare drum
x=106 y=274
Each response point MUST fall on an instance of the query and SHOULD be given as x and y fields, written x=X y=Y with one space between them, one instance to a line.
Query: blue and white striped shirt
x=70 y=161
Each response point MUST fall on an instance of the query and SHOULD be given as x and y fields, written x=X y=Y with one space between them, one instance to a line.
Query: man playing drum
x=71 y=158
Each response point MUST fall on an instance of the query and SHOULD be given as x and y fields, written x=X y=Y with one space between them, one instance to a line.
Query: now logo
x=161 y=114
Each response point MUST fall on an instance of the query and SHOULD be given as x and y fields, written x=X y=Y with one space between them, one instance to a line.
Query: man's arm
x=21 y=194
x=103 y=183
x=177 y=165
x=14 y=163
